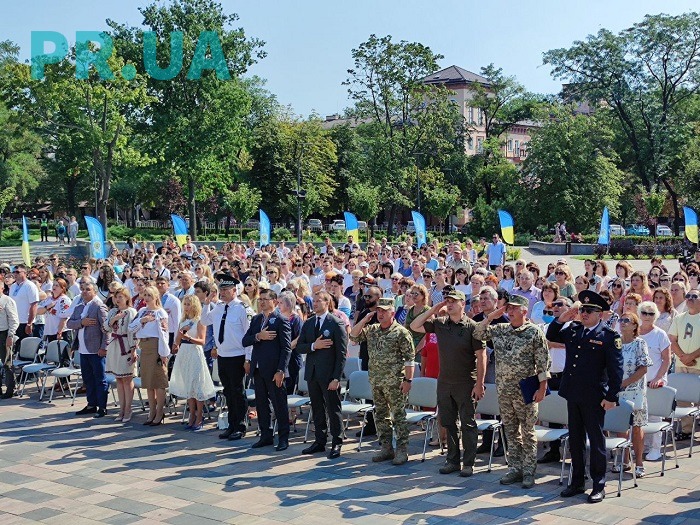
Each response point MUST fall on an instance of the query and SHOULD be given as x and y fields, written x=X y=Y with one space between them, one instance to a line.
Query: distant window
x=470 y=143
x=517 y=148
x=471 y=115
x=481 y=117
x=510 y=145
x=480 y=145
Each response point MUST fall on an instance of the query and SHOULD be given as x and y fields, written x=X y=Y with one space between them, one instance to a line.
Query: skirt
x=190 y=377
x=154 y=372
x=117 y=364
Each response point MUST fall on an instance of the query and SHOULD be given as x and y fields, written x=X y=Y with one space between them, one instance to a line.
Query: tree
x=654 y=205
x=570 y=173
x=365 y=201
x=199 y=127
x=242 y=203
x=644 y=76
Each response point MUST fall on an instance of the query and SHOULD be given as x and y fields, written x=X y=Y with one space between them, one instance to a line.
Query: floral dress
x=634 y=355
x=190 y=377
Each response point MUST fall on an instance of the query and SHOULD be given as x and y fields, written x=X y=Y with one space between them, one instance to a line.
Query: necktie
x=318 y=327
x=223 y=323
x=586 y=331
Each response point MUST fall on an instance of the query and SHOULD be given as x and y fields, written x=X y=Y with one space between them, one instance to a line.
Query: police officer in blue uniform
x=590 y=383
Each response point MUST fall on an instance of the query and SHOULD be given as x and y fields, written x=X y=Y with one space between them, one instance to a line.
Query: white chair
x=661 y=402
x=41 y=370
x=65 y=372
x=423 y=393
x=553 y=409
x=618 y=420
x=359 y=390
x=687 y=390
x=296 y=401
x=28 y=353
x=489 y=405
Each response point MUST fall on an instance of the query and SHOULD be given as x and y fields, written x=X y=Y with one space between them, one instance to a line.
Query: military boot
x=401 y=456
x=386 y=453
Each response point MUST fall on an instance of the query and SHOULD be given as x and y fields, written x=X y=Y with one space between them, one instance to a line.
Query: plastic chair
x=65 y=372
x=619 y=420
x=41 y=370
x=489 y=405
x=553 y=409
x=423 y=393
x=687 y=390
x=661 y=402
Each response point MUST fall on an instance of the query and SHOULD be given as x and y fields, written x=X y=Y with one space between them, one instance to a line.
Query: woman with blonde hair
x=121 y=349
x=563 y=278
x=640 y=285
x=250 y=290
x=151 y=328
x=190 y=378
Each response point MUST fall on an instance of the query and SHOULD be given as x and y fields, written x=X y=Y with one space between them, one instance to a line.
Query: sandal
x=616 y=468
x=639 y=472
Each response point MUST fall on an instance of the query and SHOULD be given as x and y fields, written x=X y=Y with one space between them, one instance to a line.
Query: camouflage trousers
x=519 y=423
x=390 y=411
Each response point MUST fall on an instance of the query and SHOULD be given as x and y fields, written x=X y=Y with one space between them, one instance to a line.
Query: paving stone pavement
x=59 y=468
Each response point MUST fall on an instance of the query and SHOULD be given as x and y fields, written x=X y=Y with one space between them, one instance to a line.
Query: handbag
x=636 y=397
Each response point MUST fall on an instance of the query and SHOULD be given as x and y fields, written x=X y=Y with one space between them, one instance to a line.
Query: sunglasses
x=692 y=296
x=270 y=273
x=665 y=280
x=588 y=309
x=518 y=264
x=617 y=286
x=557 y=305
x=366 y=296
x=625 y=321
x=647 y=313
x=548 y=312
x=559 y=273
x=427 y=276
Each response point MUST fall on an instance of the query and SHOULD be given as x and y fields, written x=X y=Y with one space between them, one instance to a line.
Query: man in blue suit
x=590 y=383
x=271 y=338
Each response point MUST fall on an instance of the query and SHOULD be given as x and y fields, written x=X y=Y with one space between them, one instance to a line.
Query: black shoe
x=314 y=448
x=87 y=410
x=449 y=468
x=101 y=412
x=572 y=491
x=334 y=452
x=370 y=430
x=499 y=452
x=551 y=456
x=484 y=448
x=7 y=395
x=596 y=496
x=262 y=443
x=282 y=445
x=682 y=436
x=226 y=433
x=234 y=436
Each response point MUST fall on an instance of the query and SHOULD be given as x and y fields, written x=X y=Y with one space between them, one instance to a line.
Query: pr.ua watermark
x=208 y=55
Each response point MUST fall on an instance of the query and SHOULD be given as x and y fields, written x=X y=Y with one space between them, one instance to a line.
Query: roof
x=455 y=75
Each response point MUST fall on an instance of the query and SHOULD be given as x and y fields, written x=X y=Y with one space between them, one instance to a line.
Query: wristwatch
x=407 y=380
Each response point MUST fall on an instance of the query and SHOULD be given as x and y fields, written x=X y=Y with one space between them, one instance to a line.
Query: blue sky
x=309 y=42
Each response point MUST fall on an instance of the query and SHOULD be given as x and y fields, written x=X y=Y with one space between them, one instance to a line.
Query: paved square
x=58 y=468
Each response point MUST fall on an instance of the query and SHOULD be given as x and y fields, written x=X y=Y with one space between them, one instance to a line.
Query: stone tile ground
x=58 y=468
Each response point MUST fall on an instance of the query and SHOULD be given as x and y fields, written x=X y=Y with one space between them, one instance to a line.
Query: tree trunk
x=228 y=224
x=192 y=207
x=676 y=211
x=392 y=217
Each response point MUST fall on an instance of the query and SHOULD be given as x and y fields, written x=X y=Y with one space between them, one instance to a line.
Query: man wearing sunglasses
x=590 y=384
x=685 y=345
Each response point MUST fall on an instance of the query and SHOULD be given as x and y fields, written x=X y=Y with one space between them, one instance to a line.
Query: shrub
x=281 y=234
x=513 y=254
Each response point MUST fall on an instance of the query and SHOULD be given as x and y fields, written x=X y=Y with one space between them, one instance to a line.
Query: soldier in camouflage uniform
x=391 y=352
x=521 y=351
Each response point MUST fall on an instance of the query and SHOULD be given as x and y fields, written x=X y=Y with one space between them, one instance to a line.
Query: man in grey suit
x=87 y=320
x=325 y=342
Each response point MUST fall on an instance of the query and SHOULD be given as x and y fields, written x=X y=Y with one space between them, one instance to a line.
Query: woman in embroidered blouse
x=635 y=355
x=121 y=350
x=55 y=307
x=151 y=327
x=191 y=379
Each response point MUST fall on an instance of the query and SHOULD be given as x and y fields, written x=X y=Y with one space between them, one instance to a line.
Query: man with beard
x=371 y=299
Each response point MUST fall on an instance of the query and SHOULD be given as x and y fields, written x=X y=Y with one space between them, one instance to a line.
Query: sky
x=309 y=42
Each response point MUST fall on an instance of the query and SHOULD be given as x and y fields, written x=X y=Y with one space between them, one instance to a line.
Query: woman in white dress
x=190 y=378
x=121 y=350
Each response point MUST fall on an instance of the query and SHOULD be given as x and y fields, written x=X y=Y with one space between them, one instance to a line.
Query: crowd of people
x=457 y=312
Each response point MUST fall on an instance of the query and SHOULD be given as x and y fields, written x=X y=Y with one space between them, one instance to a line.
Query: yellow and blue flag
x=180 y=229
x=25 y=242
x=264 y=229
x=507 y=231
x=691 y=224
x=351 y=226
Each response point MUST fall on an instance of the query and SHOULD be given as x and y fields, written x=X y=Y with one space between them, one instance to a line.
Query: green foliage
x=243 y=203
x=281 y=234
x=513 y=254
x=364 y=200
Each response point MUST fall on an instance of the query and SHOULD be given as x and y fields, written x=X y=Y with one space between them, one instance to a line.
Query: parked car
x=410 y=227
x=337 y=225
x=637 y=229
x=315 y=225
x=616 y=229
x=361 y=225
x=663 y=231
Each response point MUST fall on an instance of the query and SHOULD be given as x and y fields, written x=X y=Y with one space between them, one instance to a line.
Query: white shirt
x=657 y=340
x=163 y=272
x=151 y=329
x=558 y=355
x=236 y=325
x=323 y=320
x=54 y=315
x=173 y=308
x=24 y=295
x=81 y=333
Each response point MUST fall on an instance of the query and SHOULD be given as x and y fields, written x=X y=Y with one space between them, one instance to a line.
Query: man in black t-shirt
x=370 y=299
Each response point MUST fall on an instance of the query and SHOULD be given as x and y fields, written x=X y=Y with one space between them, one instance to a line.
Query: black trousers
x=171 y=359
x=232 y=376
x=6 y=363
x=587 y=419
x=456 y=401
x=268 y=393
x=322 y=401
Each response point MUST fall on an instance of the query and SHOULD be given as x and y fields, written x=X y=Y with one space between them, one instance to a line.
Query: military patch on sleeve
x=618 y=343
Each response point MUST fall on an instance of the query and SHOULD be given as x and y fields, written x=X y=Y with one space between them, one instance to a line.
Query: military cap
x=590 y=298
x=518 y=300
x=385 y=303
x=226 y=280
x=456 y=294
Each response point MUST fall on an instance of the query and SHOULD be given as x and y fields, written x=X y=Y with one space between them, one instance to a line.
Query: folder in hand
x=529 y=386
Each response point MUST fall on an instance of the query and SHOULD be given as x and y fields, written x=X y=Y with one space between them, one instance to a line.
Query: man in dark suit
x=590 y=383
x=271 y=338
x=88 y=319
x=325 y=342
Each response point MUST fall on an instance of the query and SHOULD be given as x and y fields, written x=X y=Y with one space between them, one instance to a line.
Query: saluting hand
x=498 y=312
x=570 y=314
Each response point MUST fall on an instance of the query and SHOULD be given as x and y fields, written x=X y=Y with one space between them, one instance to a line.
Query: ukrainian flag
x=25 y=242
x=351 y=226
x=180 y=228
x=691 y=224
x=507 y=231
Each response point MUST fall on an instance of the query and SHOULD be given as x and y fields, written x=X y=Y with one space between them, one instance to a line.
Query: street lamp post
x=300 y=194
